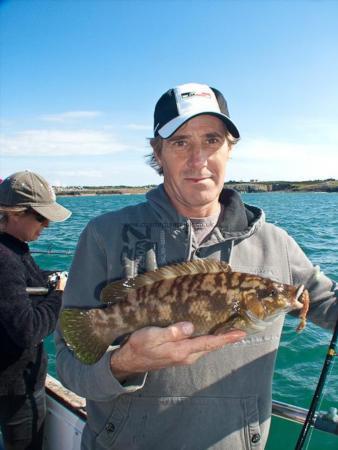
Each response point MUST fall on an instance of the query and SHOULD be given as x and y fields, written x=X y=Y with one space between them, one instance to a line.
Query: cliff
x=329 y=185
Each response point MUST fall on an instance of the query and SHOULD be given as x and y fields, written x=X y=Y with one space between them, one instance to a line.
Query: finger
x=175 y=332
x=159 y=336
x=211 y=343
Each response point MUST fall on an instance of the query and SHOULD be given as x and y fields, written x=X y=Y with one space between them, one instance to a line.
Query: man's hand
x=154 y=348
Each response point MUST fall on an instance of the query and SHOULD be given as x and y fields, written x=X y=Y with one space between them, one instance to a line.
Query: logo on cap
x=195 y=94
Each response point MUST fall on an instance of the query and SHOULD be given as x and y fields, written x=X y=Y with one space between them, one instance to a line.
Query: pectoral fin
x=236 y=322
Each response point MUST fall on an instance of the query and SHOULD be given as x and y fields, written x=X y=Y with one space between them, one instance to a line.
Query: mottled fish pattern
x=207 y=293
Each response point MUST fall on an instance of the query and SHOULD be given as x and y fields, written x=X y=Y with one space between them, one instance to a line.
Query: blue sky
x=79 y=81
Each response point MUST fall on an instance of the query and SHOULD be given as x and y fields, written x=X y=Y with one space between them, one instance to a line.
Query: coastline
x=97 y=191
x=329 y=185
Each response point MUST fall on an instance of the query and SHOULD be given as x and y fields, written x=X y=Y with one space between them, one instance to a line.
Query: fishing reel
x=52 y=280
x=54 y=277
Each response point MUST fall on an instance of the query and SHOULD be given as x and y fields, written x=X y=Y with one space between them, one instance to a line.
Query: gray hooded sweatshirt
x=223 y=401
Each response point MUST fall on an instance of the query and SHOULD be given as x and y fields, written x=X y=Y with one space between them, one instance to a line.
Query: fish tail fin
x=79 y=330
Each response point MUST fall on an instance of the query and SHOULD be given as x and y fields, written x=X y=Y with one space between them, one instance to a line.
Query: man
x=162 y=389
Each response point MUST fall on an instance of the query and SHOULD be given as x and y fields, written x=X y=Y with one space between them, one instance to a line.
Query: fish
x=205 y=292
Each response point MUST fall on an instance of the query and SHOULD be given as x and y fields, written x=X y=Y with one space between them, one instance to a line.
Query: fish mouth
x=299 y=300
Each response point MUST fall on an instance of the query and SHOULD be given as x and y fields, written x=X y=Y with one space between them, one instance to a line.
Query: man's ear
x=157 y=157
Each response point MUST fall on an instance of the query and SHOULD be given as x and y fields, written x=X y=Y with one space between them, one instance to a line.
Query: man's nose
x=197 y=156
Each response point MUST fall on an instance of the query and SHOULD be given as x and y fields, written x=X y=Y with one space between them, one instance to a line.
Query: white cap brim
x=171 y=127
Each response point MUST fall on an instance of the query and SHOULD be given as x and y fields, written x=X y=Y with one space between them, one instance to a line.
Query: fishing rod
x=37 y=290
x=309 y=421
x=53 y=252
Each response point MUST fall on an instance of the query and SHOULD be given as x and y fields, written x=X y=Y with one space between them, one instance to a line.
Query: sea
x=311 y=218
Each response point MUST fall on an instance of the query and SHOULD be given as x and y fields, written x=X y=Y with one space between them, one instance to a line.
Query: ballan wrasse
x=206 y=292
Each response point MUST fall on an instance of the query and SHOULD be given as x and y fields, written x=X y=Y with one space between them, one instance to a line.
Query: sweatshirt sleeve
x=27 y=321
x=322 y=290
x=87 y=275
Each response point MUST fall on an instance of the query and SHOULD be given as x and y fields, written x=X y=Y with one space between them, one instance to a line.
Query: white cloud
x=42 y=142
x=266 y=159
x=70 y=116
x=135 y=126
x=109 y=173
x=74 y=177
x=282 y=151
x=79 y=173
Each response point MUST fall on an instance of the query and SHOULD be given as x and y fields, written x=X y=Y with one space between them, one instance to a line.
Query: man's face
x=194 y=160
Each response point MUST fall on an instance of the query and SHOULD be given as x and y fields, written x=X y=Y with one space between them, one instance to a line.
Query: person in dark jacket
x=27 y=205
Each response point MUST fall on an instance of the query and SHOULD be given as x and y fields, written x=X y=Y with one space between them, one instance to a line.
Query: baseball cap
x=31 y=190
x=178 y=105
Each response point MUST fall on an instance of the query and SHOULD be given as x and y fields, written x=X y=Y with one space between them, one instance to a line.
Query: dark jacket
x=24 y=320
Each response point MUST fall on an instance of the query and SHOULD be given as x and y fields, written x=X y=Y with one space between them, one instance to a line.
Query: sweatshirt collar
x=237 y=218
x=14 y=244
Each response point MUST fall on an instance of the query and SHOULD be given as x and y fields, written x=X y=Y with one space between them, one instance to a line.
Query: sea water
x=311 y=218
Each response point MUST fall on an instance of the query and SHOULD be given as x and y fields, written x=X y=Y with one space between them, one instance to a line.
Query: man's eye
x=179 y=143
x=212 y=141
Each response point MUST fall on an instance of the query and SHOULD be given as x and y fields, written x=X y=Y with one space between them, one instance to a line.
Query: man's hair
x=156 y=144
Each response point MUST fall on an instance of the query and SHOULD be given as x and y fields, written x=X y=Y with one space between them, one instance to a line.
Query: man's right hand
x=154 y=348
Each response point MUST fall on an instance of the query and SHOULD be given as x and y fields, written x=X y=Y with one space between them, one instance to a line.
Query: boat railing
x=67 y=398
x=324 y=421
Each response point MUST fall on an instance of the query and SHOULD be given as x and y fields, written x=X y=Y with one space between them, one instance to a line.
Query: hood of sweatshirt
x=238 y=220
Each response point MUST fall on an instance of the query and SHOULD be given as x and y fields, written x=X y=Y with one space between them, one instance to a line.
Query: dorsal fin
x=119 y=290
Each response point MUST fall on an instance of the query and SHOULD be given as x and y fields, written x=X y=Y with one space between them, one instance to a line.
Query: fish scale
x=193 y=295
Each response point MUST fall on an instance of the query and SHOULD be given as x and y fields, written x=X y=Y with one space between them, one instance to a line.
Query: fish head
x=266 y=299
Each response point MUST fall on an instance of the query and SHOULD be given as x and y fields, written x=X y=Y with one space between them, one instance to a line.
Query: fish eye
x=269 y=293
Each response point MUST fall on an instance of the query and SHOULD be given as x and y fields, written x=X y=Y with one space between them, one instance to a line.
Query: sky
x=79 y=81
